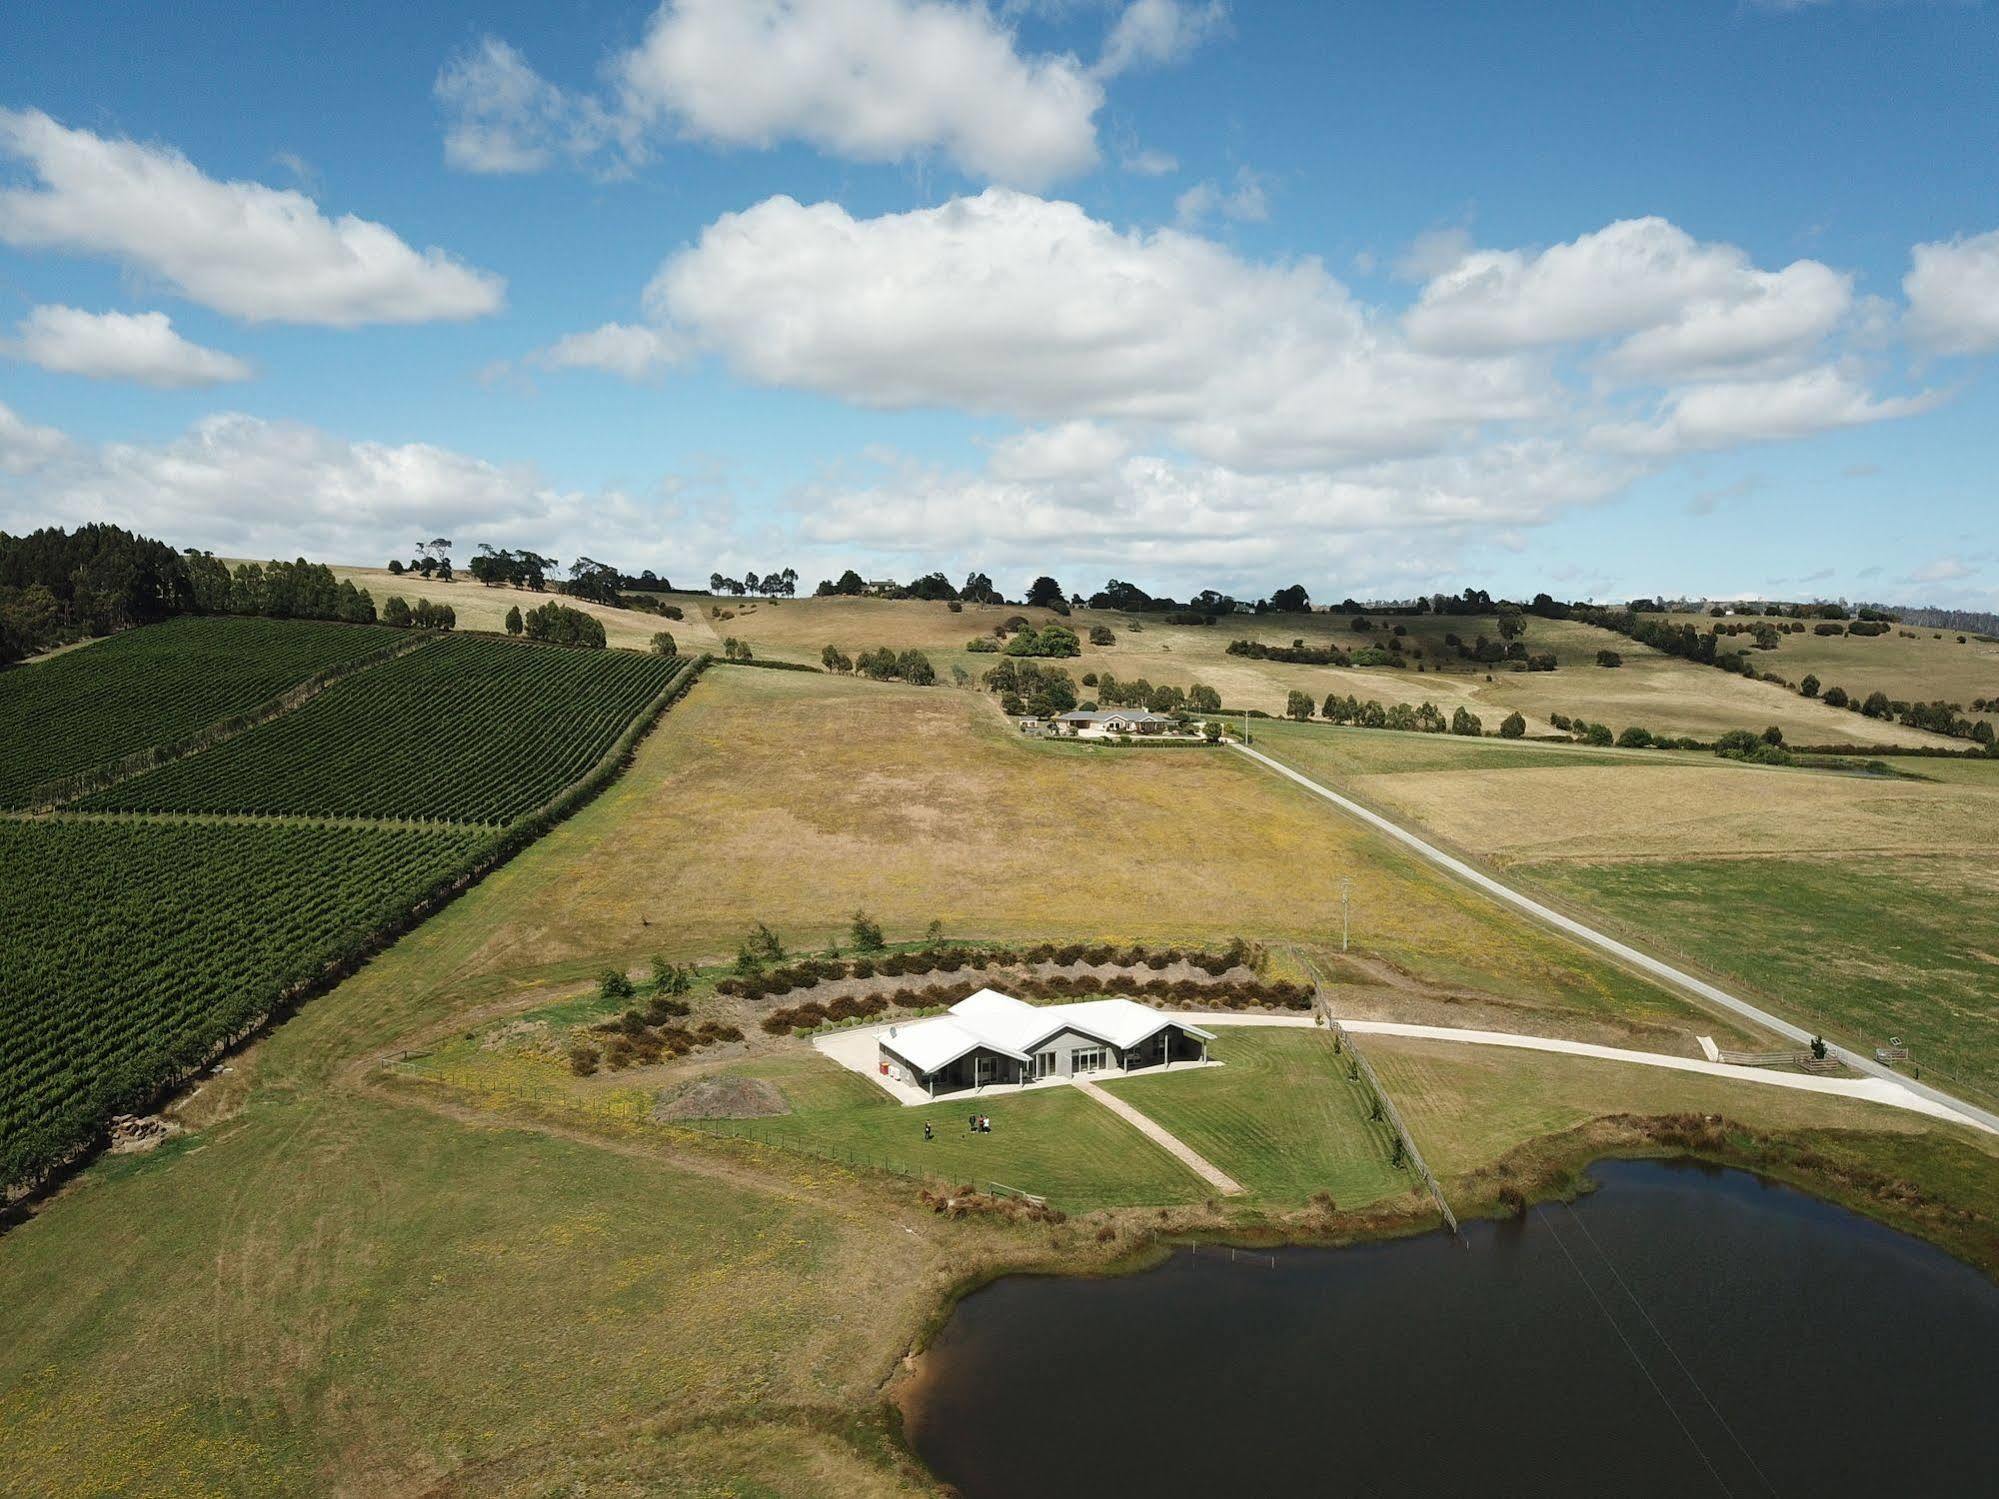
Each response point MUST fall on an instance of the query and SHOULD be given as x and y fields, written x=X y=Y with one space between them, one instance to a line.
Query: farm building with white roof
x=990 y=1037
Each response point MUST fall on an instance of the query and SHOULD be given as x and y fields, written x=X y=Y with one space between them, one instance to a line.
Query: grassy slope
x=1863 y=949
x=1055 y=1143
x=1279 y=1116
x=1862 y=906
x=1928 y=666
x=329 y=1288
x=1659 y=692
x=793 y=799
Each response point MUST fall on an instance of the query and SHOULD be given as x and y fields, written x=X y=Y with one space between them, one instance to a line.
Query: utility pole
x=1346 y=903
x=1245 y=726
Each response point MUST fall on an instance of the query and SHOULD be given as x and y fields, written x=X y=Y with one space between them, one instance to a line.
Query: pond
x=1684 y=1330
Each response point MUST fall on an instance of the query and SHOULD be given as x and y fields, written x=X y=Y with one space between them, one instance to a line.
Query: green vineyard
x=131 y=949
x=156 y=686
x=468 y=729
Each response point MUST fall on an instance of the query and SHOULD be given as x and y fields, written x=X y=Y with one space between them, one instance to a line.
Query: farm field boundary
x=78 y=1052
x=1617 y=949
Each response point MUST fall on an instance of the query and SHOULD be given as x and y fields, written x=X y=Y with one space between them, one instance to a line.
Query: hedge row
x=810 y=971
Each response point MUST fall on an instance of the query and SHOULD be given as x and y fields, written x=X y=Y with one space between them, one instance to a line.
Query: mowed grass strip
x=1280 y=1117
x=466 y=729
x=1467 y=1105
x=1865 y=949
x=1054 y=1142
x=156 y=686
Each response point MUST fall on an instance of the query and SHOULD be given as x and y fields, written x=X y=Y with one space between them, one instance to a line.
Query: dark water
x=1783 y=1346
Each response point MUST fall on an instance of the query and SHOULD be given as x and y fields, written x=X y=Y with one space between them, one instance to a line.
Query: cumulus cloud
x=253 y=252
x=628 y=349
x=1072 y=450
x=1941 y=570
x=1146 y=162
x=25 y=447
x=1395 y=522
x=1732 y=413
x=1247 y=202
x=1681 y=306
x=505 y=117
x=120 y=346
x=1953 y=292
x=1012 y=304
x=1152 y=33
x=864 y=80
x=244 y=486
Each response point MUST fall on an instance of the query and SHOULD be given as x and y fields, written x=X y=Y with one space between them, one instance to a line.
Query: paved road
x=1624 y=952
x=1171 y=1143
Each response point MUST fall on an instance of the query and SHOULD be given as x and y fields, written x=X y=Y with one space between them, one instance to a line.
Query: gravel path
x=1938 y=1102
x=1171 y=1143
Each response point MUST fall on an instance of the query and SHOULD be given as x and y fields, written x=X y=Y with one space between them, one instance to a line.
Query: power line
x=1612 y=1267
x=1671 y=1410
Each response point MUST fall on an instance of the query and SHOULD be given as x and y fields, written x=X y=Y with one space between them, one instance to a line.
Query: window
x=1090 y=1059
x=1044 y=1063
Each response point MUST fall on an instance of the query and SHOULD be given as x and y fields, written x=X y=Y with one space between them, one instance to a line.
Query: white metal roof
x=1001 y=1023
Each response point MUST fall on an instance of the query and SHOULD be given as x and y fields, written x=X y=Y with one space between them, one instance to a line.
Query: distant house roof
x=1119 y=715
x=999 y=1022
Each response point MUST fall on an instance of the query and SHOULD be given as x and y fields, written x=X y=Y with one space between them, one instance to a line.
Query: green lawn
x=1055 y=1143
x=1280 y=1117
x=1863 y=948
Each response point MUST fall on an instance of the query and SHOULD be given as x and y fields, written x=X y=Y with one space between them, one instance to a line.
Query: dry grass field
x=793 y=799
x=1911 y=662
x=341 y=1283
x=1863 y=906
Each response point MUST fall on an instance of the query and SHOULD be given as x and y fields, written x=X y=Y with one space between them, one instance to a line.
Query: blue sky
x=1604 y=298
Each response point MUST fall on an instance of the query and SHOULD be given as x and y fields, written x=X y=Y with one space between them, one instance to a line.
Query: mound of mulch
x=721 y=1098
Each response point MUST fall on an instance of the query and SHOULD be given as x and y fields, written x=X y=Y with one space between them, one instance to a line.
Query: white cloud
x=1247 y=203
x=1069 y=451
x=1953 y=292
x=1153 y=33
x=1149 y=163
x=253 y=252
x=243 y=486
x=120 y=346
x=1434 y=253
x=1681 y=305
x=504 y=117
x=631 y=350
x=1942 y=570
x=1200 y=525
x=25 y=447
x=868 y=80
x=1015 y=304
x=1726 y=414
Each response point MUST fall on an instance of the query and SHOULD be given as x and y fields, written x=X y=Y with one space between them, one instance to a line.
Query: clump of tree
x=422 y=615
x=663 y=644
x=497 y=567
x=1102 y=635
x=1050 y=640
x=884 y=664
x=736 y=650
x=1297 y=653
x=1025 y=687
x=1609 y=658
x=1513 y=726
x=558 y=624
x=781 y=584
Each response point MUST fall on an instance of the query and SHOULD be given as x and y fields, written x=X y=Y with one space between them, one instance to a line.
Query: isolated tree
x=613 y=986
x=1464 y=721
x=1513 y=726
x=396 y=611
x=1046 y=593
x=514 y=620
x=1297 y=705
x=1292 y=600
x=1201 y=698
x=866 y=933
x=1773 y=735
x=1102 y=635
x=1810 y=686
x=663 y=644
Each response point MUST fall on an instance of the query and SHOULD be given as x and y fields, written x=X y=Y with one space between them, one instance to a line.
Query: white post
x=1346 y=896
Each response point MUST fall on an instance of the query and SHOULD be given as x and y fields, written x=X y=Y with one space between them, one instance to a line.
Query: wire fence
x=1385 y=1108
